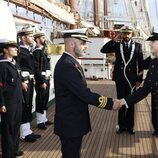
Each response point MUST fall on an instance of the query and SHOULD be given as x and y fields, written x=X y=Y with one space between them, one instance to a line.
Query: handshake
x=118 y=103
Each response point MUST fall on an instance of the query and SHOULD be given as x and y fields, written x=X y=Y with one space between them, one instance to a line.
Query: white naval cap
x=5 y=43
x=80 y=34
x=39 y=33
x=126 y=29
x=26 y=30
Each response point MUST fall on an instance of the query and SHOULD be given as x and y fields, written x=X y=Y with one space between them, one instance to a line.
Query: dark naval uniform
x=42 y=75
x=150 y=85
x=11 y=98
x=127 y=71
x=72 y=98
x=26 y=63
x=154 y=107
x=146 y=62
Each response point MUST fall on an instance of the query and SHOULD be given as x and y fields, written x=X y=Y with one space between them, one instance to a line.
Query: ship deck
x=102 y=142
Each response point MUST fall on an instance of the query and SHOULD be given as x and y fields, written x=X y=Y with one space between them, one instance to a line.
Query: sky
x=153 y=12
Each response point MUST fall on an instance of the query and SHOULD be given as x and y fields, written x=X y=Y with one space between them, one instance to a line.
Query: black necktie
x=126 y=46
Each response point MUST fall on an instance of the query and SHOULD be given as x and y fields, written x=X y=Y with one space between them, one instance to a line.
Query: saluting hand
x=117 y=37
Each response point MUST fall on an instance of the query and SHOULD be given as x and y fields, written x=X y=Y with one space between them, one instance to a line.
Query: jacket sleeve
x=2 y=76
x=140 y=64
x=74 y=82
x=109 y=47
x=38 y=70
x=146 y=63
x=140 y=93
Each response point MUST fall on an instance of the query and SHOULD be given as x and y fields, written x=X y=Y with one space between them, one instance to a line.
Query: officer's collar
x=70 y=55
x=129 y=42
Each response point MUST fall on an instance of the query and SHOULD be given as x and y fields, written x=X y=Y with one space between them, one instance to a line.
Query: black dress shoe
x=49 y=123
x=36 y=136
x=29 y=138
x=155 y=133
x=131 y=132
x=120 y=131
x=19 y=153
x=42 y=126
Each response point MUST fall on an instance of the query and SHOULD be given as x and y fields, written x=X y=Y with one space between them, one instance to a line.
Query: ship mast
x=105 y=13
x=96 y=12
x=73 y=6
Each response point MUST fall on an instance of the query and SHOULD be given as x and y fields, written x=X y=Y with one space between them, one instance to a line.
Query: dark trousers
x=125 y=116
x=10 y=127
x=154 y=113
x=42 y=97
x=71 y=146
x=27 y=103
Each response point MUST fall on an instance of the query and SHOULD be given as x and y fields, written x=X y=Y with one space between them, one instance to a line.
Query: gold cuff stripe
x=102 y=101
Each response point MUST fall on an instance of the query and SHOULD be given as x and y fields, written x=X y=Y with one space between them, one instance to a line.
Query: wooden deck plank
x=102 y=142
x=145 y=123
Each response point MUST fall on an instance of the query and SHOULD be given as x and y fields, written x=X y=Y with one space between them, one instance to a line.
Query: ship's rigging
x=104 y=15
x=114 y=13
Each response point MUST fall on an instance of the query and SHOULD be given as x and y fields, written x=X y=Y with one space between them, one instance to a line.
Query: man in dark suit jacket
x=72 y=96
x=127 y=74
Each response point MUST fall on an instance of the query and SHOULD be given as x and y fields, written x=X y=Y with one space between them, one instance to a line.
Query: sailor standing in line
x=127 y=74
x=10 y=99
x=26 y=63
x=42 y=78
